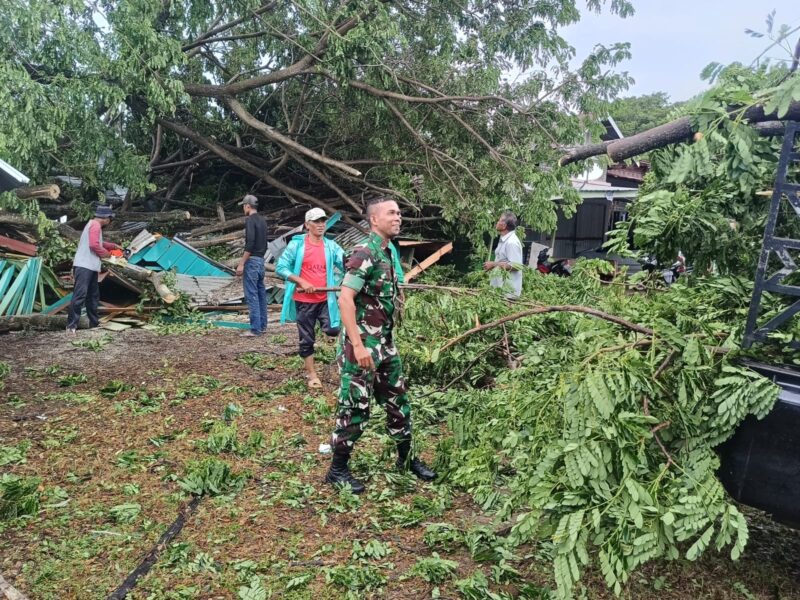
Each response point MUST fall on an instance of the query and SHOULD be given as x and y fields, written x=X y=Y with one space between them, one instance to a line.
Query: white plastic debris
x=324 y=448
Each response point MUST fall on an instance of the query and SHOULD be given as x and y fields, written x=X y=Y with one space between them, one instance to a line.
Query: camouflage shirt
x=369 y=270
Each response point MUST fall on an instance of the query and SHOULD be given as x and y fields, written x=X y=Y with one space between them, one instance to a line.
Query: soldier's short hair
x=510 y=219
x=373 y=202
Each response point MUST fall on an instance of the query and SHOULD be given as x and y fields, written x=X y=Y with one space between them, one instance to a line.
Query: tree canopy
x=310 y=102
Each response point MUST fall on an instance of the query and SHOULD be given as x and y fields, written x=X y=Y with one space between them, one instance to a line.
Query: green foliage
x=14 y=455
x=355 y=579
x=95 y=345
x=82 y=88
x=51 y=247
x=71 y=397
x=168 y=324
x=115 y=387
x=19 y=496
x=125 y=513
x=38 y=373
x=257 y=361
x=703 y=198
x=434 y=569
x=567 y=444
x=372 y=550
x=225 y=438
x=255 y=590
x=211 y=477
x=639 y=113
x=5 y=371
x=231 y=412
x=72 y=379
x=128 y=459
x=442 y=536
x=144 y=403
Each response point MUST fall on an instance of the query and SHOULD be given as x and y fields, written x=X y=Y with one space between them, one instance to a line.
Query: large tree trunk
x=154 y=217
x=50 y=192
x=674 y=132
x=139 y=274
x=14 y=219
x=38 y=322
x=225 y=226
x=222 y=239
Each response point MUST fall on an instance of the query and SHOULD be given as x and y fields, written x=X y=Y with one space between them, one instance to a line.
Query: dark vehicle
x=556 y=267
x=760 y=464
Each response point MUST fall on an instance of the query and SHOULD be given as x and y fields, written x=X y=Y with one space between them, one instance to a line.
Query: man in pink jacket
x=86 y=267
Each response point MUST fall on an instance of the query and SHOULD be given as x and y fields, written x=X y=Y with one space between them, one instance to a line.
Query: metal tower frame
x=778 y=246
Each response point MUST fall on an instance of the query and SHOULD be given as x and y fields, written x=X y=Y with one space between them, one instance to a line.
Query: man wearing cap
x=251 y=266
x=86 y=267
x=309 y=263
x=369 y=363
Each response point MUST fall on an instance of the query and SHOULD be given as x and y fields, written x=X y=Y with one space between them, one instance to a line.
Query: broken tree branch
x=39 y=322
x=140 y=274
x=679 y=130
x=214 y=30
x=248 y=167
x=549 y=309
x=273 y=136
x=222 y=239
x=151 y=557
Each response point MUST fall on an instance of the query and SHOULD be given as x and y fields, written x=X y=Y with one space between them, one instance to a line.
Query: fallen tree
x=598 y=445
x=252 y=108
x=678 y=131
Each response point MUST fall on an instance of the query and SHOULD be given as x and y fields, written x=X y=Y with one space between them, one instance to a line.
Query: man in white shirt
x=507 y=256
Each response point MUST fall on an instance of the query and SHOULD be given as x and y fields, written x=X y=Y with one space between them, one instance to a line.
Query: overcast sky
x=671 y=41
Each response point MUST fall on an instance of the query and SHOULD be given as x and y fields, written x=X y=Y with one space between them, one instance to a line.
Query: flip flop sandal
x=314 y=383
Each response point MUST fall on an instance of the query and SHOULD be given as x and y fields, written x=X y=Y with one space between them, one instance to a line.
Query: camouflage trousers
x=358 y=385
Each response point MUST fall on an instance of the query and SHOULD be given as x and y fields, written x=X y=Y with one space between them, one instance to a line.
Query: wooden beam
x=431 y=260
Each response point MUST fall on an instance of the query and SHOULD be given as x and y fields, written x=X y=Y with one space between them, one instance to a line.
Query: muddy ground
x=111 y=423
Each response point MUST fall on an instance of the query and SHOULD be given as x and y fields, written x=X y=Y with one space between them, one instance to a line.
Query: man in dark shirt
x=251 y=267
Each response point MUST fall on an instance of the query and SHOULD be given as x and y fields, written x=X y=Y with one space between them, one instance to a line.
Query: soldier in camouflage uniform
x=368 y=359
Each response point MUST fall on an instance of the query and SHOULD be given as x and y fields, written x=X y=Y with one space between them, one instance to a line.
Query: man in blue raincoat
x=310 y=263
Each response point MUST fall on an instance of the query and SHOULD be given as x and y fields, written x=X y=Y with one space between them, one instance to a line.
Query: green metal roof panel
x=5 y=280
x=166 y=255
x=157 y=250
x=170 y=258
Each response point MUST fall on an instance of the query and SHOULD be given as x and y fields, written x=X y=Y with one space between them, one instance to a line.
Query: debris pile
x=192 y=260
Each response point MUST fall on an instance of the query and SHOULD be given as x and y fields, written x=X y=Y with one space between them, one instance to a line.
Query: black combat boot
x=339 y=474
x=415 y=465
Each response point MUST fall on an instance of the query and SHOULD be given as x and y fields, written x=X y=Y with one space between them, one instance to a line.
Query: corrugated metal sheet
x=351 y=236
x=175 y=254
x=200 y=285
